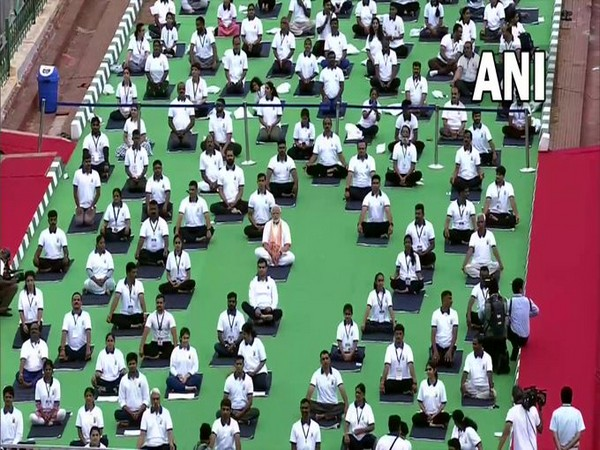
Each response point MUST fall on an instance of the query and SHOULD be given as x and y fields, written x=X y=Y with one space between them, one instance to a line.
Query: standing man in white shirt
x=156 y=426
x=460 y=219
x=284 y=46
x=327 y=159
x=229 y=329
x=467 y=166
x=225 y=430
x=347 y=337
x=478 y=374
x=163 y=327
x=482 y=246
x=399 y=375
x=86 y=192
x=235 y=63
x=276 y=241
x=306 y=433
x=416 y=88
x=260 y=204
x=211 y=161
x=239 y=388
x=153 y=244
x=193 y=221
x=566 y=423
x=282 y=176
x=182 y=118
x=444 y=332
x=482 y=141
x=100 y=268
x=220 y=126
x=404 y=158
x=158 y=188
x=251 y=32
x=361 y=169
x=53 y=244
x=134 y=395
x=130 y=292
x=423 y=237
x=326 y=381
x=203 y=49
x=263 y=297
x=98 y=146
x=76 y=338
x=500 y=207
x=386 y=70
x=136 y=164
x=520 y=310
x=299 y=17
x=454 y=117
x=11 y=420
x=523 y=422
x=376 y=210
x=466 y=72
x=231 y=188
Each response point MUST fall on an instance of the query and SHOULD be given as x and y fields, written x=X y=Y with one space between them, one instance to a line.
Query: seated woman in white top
x=88 y=416
x=33 y=355
x=347 y=338
x=370 y=115
x=47 y=399
x=159 y=11
x=100 y=268
x=469 y=29
x=269 y=114
x=255 y=357
x=53 y=245
x=31 y=306
x=184 y=377
x=157 y=73
x=179 y=271
x=405 y=156
x=304 y=138
x=282 y=176
x=193 y=221
x=465 y=430
x=434 y=20
x=227 y=20
x=299 y=17
x=432 y=401
x=379 y=315
x=374 y=45
x=251 y=32
x=169 y=35
x=196 y=91
x=365 y=12
x=110 y=368
x=117 y=220
x=126 y=95
x=133 y=123
x=138 y=50
x=407 y=279
x=276 y=241
x=263 y=297
x=359 y=422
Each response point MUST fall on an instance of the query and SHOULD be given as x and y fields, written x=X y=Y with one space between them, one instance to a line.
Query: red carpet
x=563 y=277
x=17 y=142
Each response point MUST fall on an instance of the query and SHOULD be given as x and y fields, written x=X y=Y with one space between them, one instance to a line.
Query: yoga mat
x=474 y=196
x=353 y=205
x=491 y=165
x=529 y=15
x=273 y=14
x=455 y=249
x=186 y=395
x=150 y=272
x=346 y=366
x=23 y=394
x=18 y=342
x=71 y=366
x=229 y=218
x=410 y=303
x=512 y=142
x=427 y=276
x=44 y=432
x=456 y=364
x=396 y=398
x=127 y=431
x=197 y=245
x=471 y=282
x=180 y=48
x=279 y=273
x=470 y=402
x=430 y=39
x=325 y=181
x=248 y=429
x=272 y=74
x=52 y=276
x=118 y=247
x=128 y=332
x=342 y=113
x=155 y=363
x=316 y=90
x=270 y=329
x=439 y=78
x=210 y=72
x=429 y=433
x=111 y=169
x=192 y=149
x=178 y=301
x=219 y=361
x=269 y=382
x=282 y=135
x=226 y=94
x=372 y=241
x=377 y=337
x=265 y=49
x=126 y=194
x=170 y=89
x=286 y=202
x=443 y=140
x=112 y=124
x=95 y=300
x=74 y=229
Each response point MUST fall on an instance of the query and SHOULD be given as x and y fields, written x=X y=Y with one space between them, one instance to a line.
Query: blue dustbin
x=48 y=79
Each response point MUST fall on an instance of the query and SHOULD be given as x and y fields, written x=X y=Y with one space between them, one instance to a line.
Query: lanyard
x=127 y=90
x=417 y=231
x=359 y=416
x=408 y=263
x=160 y=323
x=380 y=300
x=399 y=358
x=231 y=321
x=75 y=319
x=195 y=87
x=461 y=211
x=202 y=40
x=307 y=432
x=140 y=47
x=135 y=155
x=153 y=228
x=404 y=149
x=30 y=298
x=48 y=389
x=96 y=141
x=131 y=286
x=116 y=212
x=177 y=262
x=348 y=330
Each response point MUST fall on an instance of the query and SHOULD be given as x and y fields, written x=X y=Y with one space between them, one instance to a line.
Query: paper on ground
x=239 y=113
x=437 y=94
x=273 y=31
x=380 y=149
x=352 y=50
x=284 y=88
x=107 y=398
x=415 y=32
x=180 y=396
x=213 y=89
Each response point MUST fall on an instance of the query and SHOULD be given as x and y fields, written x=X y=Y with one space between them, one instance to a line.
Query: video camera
x=532 y=396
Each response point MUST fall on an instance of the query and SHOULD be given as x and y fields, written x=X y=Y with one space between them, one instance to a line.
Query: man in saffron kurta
x=276 y=241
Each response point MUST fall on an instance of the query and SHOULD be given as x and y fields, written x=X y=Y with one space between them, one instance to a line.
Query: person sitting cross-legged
x=100 y=268
x=408 y=118
x=76 y=337
x=347 y=338
x=361 y=169
x=110 y=368
x=432 y=401
x=454 y=117
x=89 y=416
x=284 y=46
x=229 y=329
x=239 y=388
x=478 y=375
x=399 y=375
x=259 y=208
x=182 y=118
x=460 y=219
x=196 y=91
x=337 y=43
x=482 y=245
x=47 y=399
x=11 y=420
x=130 y=292
x=307 y=69
x=117 y=219
x=53 y=245
x=231 y=188
x=153 y=244
x=366 y=13
x=493 y=21
x=183 y=373
x=97 y=145
x=326 y=380
x=225 y=430
x=500 y=208
x=332 y=81
x=404 y=158
x=134 y=395
x=482 y=141
x=251 y=32
x=299 y=17
x=376 y=219
x=203 y=49
x=370 y=115
x=386 y=70
x=227 y=20
x=434 y=20
x=327 y=159
x=359 y=423
x=269 y=112
x=423 y=237
x=276 y=241
x=235 y=62
x=379 y=314
x=161 y=324
x=519 y=119
x=255 y=357
x=169 y=35
x=407 y=278
x=136 y=164
x=467 y=167
x=444 y=332
x=304 y=138
x=416 y=89
x=33 y=354
x=211 y=161
x=193 y=221
x=179 y=271
x=393 y=30
x=157 y=72
x=158 y=188
x=282 y=176
x=263 y=297
x=465 y=75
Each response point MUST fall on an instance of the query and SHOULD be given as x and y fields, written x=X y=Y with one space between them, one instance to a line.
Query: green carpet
x=330 y=269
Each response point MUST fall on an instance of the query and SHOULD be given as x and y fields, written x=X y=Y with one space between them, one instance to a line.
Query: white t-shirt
x=366 y=13
x=347 y=334
x=261 y=205
x=138 y=49
x=169 y=37
x=211 y=164
x=86 y=419
x=11 y=427
x=478 y=369
x=225 y=433
x=327 y=149
x=481 y=138
x=493 y=16
x=336 y=44
x=468 y=162
x=421 y=234
x=227 y=16
x=386 y=65
x=393 y=29
x=86 y=184
x=455 y=117
x=181 y=116
x=380 y=306
x=193 y=212
x=235 y=64
x=203 y=44
x=30 y=303
x=326 y=385
x=460 y=215
x=451 y=48
x=399 y=359
x=116 y=216
x=320 y=21
x=432 y=395
x=524 y=427
x=407 y=271
x=132 y=125
x=416 y=88
x=156 y=425
x=469 y=439
x=230 y=326
x=331 y=79
x=307 y=66
x=231 y=181
x=154 y=234
x=220 y=127
x=96 y=145
x=53 y=243
x=253 y=354
x=509 y=46
x=376 y=206
x=500 y=197
x=444 y=324
x=371 y=119
x=196 y=92
x=76 y=327
x=304 y=135
x=130 y=296
x=358 y=417
x=566 y=421
x=482 y=247
x=136 y=160
x=125 y=96
x=110 y=365
x=47 y=394
x=297 y=11
x=430 y=16
x=306 y=436
x=100 y=264
x=391 y=442
x=34 y=355
x=251 y=29
x=158 y=189
x=283 y=44
x=404 y=157
x=156 y=66
x=160 y=326
x=361 y=170
x=282 y=170
x=374 y=46
x=269 y=110
x=469 y=67
x=238 y=390
x=412 y=123
x=469 y=31
x=178 y=265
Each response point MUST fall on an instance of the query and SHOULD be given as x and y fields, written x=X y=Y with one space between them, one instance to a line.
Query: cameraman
x=566 y=423
x=8 y=283
x=524 y=421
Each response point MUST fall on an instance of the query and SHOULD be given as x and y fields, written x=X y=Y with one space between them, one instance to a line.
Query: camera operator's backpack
x=496 y=325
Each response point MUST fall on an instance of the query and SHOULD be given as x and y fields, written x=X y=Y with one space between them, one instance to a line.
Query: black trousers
x=495 y=347
x=474 y=184
x=427 y=259
x=401 y=52
x=221 y=350
x=300 y=154
x=487 y=159
x=329 y=410
x=411 y=180
x=398 y=386
x=442 y=353
x=306 y=88
x=252 y=232
x=153 y=350
x=108 y=387
x=202 y=111
x=393 y=87
x=504 y=220
x=369 y=132
x=372 y=327
x=286 y=68
x=280 y=189
x=375 y=229
x=319 y=48
x=251 y=312
x=193 y=234
x=136 y=187
x=55 y=265
x=420 y=419
x=358 y=194
x=78 y=443
x=176 y=142
x=359 y=355
x=367 y=442
x=515 y=133
x=186 y=286
x=254 y=53
x=516 y=341
x=358 y=31
x=408 y=9
x=75 y=355
x=457 y=237
x=260 y=382
x=413 y=287
x=236 y=88
x=149 y=258
x=465 y=88
x=123 y=416
x=320 y=171
x=110 y=236
x=127 y=321
x=219 y=208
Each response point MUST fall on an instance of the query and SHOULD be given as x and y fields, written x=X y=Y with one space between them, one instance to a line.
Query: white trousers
x=93 y=288
x=37 y=420
x=472 y=269
x=287 y=259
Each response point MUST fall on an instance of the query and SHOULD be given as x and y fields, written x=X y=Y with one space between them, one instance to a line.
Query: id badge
x=75 y=333
x=419 y=248
x=115 y=230
x=153 y=240
x=160 y=342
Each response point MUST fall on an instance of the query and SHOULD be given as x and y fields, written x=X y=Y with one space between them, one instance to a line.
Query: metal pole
x=527 y=168
x=436 y=164
x=41 y=131
x=248 y=161
x=337 y=117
